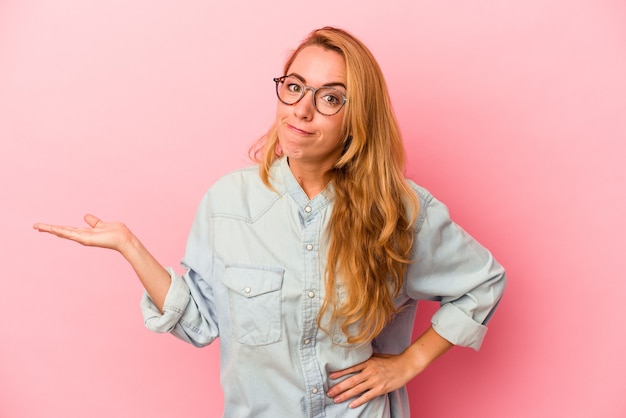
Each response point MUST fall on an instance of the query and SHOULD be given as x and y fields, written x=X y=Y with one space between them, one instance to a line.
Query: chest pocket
x=255 y=303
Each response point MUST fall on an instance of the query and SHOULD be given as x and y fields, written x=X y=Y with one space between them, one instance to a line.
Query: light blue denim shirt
x=254 y=266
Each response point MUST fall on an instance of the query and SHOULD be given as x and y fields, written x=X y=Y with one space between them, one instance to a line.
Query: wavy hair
x=370 y=231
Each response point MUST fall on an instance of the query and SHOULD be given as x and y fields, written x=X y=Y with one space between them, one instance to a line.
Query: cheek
x=334 y=129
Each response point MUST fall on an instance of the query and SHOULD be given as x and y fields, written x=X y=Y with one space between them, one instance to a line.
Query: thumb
x=91 y=220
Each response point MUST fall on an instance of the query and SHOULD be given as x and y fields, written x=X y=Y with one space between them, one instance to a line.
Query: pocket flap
x=251 y=281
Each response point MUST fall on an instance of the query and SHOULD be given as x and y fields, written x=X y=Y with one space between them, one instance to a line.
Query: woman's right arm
x=116 y=236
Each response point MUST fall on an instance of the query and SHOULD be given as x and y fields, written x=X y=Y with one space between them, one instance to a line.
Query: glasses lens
x=328 y=100
x=289 y=90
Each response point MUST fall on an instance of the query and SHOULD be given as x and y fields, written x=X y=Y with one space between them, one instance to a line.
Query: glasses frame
x=306 y=88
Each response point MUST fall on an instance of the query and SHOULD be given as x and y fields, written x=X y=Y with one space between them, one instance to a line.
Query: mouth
x=297 y=130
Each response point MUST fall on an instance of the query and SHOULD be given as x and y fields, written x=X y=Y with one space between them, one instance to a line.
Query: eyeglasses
x=327 y=100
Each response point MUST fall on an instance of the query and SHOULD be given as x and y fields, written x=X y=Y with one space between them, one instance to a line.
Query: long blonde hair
x=370 y=230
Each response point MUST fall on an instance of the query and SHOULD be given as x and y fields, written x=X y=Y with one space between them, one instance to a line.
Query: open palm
x=113 y=235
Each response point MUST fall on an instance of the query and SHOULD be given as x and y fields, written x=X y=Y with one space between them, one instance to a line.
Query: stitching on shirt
x=253 y=219
x=173 y=309
x=425 y=199
x=247 y=266
x=192 y=327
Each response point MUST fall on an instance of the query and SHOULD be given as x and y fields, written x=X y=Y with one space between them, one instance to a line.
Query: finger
x=364 y=398
x=52 y=229
x=355 y=389
x=92 y=220
x=346 y=389
x=382 y=355
x=66 y=232
x=41 y=227
x=340 y=373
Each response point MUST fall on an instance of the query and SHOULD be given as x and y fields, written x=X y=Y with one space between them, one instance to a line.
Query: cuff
x=175 y=303
x=455 y=326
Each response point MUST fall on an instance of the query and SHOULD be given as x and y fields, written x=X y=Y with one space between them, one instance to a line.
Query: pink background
x=513 y=112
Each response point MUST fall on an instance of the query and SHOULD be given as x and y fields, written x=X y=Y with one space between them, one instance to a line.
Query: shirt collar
x=296 y=192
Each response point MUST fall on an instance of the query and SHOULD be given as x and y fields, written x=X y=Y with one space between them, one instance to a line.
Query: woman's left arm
x=384 y=373
x=452 y=268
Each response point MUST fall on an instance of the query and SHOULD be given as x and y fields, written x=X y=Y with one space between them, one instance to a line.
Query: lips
x=298 y=130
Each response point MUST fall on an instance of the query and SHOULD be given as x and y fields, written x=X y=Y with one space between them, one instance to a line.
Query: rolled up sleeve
x=189 y=310
x=186 y=312
x=173 y=308
x=454 y=269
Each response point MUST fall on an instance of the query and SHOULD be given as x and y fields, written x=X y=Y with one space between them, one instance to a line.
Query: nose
x=305 y=108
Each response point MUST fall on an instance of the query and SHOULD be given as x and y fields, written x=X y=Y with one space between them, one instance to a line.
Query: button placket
x=312 y=373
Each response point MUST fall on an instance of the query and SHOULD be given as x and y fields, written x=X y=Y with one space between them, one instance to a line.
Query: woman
x=309 y=266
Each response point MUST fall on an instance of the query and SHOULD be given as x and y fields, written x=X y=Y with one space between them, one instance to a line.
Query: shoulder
x=242 y=194
x=425 y=200
x=424 y=196
x=247 y=177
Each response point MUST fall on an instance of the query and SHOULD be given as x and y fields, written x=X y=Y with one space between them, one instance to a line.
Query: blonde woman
x=309 y=266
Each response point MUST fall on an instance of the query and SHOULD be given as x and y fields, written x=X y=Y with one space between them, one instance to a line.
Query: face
x=307 y=137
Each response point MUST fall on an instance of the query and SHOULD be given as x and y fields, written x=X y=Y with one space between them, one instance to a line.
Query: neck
x=310 y=177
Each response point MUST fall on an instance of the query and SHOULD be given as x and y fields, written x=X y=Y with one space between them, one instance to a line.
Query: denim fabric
x=254 y=278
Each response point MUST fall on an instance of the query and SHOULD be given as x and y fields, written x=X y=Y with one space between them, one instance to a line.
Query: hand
x=384 y=373
x=379 y=375
x=117 y=236
x=113 y=235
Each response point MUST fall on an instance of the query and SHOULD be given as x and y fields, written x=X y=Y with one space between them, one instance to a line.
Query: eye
x=294 y=87
x=332 y=98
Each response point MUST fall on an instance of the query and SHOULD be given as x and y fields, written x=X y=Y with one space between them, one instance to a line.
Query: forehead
x=319 y=66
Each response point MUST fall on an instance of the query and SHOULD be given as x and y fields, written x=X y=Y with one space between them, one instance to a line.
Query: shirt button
x=308 y=209
x=309 y=247
x=311 y=294
x=247 y=290
x=314 y=390
x=307 y=341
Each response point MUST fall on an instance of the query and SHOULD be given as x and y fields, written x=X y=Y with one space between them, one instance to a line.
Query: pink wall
x=514 y=113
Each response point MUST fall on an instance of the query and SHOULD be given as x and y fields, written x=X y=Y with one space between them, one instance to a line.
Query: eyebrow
x=299 y=77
